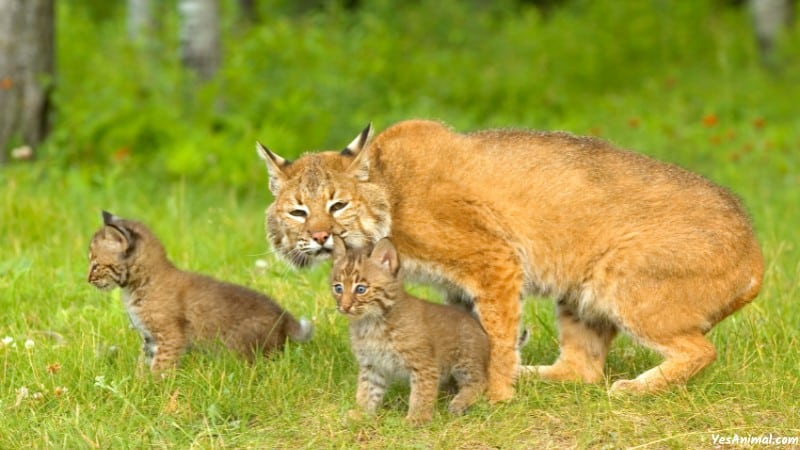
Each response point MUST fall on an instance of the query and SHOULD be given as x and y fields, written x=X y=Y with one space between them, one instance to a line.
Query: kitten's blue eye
x=361 y=289
x=338 y=289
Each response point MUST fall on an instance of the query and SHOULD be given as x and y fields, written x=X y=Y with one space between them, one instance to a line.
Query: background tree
x=26 y=72
x=139 y=18
x=248 y=11
x=770 y=19
x=199 y=36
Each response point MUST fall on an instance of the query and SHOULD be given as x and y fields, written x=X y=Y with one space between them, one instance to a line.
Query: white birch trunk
x=199 y=36
x=770 y=19
x=139 y=19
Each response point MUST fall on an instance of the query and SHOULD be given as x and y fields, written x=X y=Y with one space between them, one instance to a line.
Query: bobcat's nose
x=320 y=237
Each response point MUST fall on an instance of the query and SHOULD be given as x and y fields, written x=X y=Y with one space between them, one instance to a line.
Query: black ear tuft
x=359 y=142
x=107 y=217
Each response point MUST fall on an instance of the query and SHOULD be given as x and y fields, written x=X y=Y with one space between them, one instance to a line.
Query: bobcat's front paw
x=417 y=419
x=499 y=393
x=355 y=415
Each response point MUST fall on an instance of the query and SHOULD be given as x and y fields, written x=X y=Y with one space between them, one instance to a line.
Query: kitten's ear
x=385 y=254
x=109 y=218
x=354 y=148
x=275 y=165
x=119 y=232
x=339 y=248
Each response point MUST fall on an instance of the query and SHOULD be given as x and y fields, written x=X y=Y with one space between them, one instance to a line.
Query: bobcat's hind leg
x=583 y=348
x=674 y=326
x=685 y=356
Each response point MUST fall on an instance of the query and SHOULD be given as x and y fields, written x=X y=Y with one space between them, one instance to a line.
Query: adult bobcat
x=621 y=241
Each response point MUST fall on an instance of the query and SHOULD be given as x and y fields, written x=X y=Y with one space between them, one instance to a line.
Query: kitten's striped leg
x=166 y=353
x=471 y=384
x=371 y=389
x=424 y=385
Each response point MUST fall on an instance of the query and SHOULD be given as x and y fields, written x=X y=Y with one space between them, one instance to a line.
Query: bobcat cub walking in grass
x=397 y=336
x=172 y=308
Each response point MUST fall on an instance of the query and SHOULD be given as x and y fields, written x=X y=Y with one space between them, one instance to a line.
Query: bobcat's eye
x=338 y=289
x=361 y=289
x=298 y=212
x=338 y=206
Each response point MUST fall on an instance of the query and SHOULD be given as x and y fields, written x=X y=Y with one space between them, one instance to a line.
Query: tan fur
x=621 y=241
x=172 y=308
x=397 y=336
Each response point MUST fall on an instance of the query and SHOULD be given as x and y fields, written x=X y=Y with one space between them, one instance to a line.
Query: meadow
x=138 y=136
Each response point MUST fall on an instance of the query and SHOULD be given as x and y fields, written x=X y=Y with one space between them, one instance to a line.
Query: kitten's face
x=108 y=265
x=364 y=283
x=319 y=196
x=107 y=269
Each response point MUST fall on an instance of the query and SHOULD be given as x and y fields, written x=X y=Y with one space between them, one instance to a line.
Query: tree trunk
x=770 y=19
x=199 y=36
x=139 y=19
x=26 y=71
x=247 y=11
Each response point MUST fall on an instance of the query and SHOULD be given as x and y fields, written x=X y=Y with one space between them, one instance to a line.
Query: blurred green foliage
x=310 y=78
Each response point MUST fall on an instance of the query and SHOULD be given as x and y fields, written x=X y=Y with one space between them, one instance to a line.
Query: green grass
x=687 y=89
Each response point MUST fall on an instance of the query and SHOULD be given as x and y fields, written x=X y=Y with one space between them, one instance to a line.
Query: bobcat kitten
x=172 y=308
x=397 y=336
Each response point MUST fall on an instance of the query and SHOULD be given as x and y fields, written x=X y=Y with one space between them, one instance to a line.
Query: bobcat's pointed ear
x=385 y=254
x=354 y=148
x=108 y=218
x=119 y=231
x=275 y=165
x=339 y=248
x=363 y=161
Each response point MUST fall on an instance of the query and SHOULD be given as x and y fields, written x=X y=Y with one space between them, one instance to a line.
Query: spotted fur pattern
x=395 y=336
x=172 y=308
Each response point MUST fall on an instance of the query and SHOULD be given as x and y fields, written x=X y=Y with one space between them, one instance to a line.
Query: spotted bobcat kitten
x=397 y=336
x=172 y=308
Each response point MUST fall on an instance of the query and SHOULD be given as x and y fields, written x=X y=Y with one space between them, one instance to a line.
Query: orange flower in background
x=759 y=122
x=53 y=368
x=633 y=122
x=121 y=153
x=709 y=120
x=6 y=83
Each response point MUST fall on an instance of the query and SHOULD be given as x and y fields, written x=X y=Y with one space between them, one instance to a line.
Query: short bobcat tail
x=300 y=330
